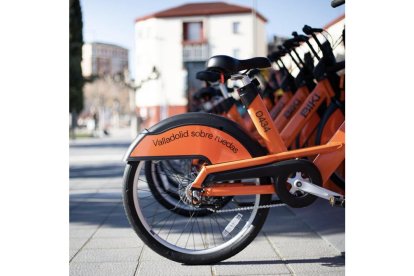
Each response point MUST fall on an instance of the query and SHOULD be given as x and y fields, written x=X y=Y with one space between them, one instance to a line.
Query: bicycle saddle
x=229 y=65
x=208 y=76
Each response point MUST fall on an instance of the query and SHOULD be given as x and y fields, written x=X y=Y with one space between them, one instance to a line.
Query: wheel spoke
x=171 y=219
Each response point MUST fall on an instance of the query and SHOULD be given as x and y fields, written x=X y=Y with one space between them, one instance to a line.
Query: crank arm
x=334 y=198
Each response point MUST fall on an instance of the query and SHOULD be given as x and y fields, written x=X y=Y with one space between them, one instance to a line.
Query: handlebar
x=300 y=38
x=282 y=50
x=309 y=30
x=337 y=3
x=291 y=43
x=304 y=38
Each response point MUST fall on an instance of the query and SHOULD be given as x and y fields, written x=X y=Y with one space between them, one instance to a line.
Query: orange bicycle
x=225 y=178
x=228 y=190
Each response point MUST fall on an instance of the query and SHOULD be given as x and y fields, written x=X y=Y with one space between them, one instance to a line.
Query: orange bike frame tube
x=264 y=125
x=277 y=108
x=291 y=107
x=309 y=131
x=327 y=163
x=263 y=160
x=322 y=91
x=238 y=189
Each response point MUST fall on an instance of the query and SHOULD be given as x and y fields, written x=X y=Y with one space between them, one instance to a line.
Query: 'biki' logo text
x=310 y=105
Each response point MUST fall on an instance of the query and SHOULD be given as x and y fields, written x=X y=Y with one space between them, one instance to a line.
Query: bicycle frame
x=329 y=156
x=323 y=91
x=291 y=107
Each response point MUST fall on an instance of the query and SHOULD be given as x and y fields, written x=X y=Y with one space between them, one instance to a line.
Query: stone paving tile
x=292 y=247
x=103 y=269
x=149 y=255
x=110 y=232
x=82 y=232
x=107 y=255
x=312 y=273
x=259 y=249
x=308 y=254
x=72 y=253
x=93 y=215
x=281 y=212
x=166 y=267
x=117 y=223
x=77 y=243
x=83 y=225
x=96 y=185
x=319 y=265
x=114 y=243
x=263 y=266
x=287 y=227
x=258 y=258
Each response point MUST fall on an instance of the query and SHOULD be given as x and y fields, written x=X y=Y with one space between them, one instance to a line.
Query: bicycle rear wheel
x=192 y=239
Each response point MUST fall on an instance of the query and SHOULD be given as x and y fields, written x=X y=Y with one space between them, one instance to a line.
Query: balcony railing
x=195 y=52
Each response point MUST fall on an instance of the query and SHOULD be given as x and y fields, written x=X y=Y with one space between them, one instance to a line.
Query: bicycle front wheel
x=192 y=239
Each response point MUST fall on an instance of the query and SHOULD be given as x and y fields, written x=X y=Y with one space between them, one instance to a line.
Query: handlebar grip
x=300 y=38
x=291 y=43
x=309 y=30
x=337 y=3
x=282 y=50
x=273 y=56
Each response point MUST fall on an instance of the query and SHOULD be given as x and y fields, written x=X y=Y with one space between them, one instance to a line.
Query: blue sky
x=113 y=21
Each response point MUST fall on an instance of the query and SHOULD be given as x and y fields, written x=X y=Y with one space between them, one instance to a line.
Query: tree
x=76 y=80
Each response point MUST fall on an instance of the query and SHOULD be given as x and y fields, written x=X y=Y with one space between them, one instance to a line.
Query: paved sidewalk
x=306 y=241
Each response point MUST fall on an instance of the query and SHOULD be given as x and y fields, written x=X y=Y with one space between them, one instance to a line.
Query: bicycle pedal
x=337 y=201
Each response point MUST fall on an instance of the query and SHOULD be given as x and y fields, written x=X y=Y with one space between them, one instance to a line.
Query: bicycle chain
x=247 y=208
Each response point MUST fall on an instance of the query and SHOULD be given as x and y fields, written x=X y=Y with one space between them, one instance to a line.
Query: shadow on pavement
x=337 y=261
x=96 y=171
x=98 y=208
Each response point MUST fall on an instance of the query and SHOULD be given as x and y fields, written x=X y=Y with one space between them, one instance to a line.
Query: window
x=193 y=31
x=236 y=27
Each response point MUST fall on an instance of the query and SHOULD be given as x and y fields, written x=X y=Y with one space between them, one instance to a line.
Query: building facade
x=106 y=93
x=103 y=59
x=177 y=42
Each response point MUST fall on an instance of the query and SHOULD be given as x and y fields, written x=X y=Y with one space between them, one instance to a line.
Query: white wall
x=158 y=42
x=86 y=59
x=223 y=41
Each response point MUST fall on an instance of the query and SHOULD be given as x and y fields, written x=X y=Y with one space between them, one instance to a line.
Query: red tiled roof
x=333 y=22
x=207 y=8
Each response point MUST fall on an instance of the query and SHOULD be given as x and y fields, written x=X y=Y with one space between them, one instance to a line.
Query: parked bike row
x=198 y=186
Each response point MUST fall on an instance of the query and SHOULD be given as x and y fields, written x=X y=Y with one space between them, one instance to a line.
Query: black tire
x=334 y=106
x=216 y=245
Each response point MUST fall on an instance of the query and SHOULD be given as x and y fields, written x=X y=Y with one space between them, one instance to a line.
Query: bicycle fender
x=198 y=135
